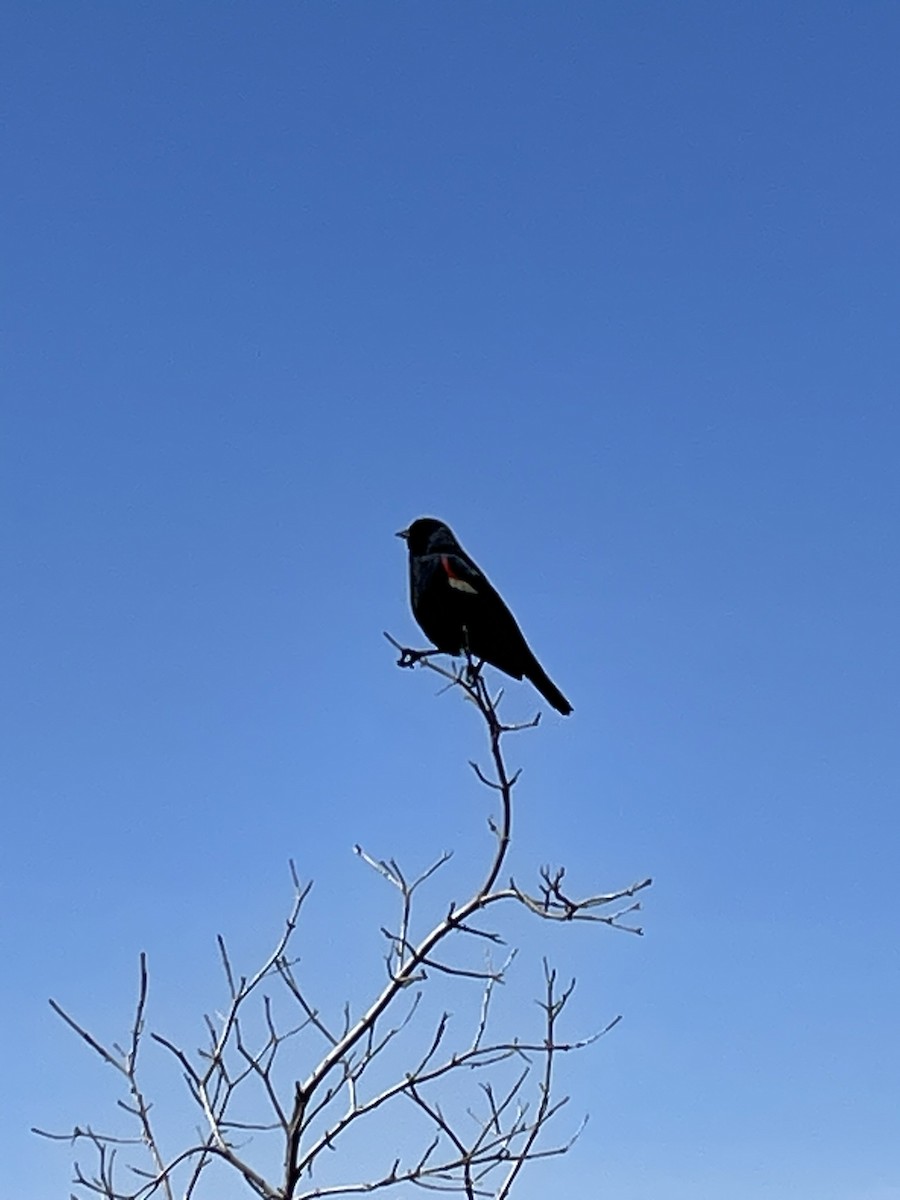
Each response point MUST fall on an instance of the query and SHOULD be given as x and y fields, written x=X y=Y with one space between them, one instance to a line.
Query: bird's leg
x=471 y=671
x=472 y=667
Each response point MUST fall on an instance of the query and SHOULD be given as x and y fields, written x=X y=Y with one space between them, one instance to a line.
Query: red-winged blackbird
x=458 y=609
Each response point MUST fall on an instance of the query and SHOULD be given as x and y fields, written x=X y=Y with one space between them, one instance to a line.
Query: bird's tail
x=547 y=687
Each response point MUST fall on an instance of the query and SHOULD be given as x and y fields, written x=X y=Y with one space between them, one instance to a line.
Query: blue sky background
x=613 y=289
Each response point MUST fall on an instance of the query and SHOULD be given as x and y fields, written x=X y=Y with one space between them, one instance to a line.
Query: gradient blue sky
x=613 y=289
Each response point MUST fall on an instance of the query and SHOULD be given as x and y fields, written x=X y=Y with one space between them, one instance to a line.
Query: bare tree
x=470 y=1108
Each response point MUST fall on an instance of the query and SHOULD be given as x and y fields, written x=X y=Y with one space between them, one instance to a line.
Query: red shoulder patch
x=454 y=580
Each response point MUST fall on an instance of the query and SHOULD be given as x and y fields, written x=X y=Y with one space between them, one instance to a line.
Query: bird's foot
x=409 y=658
x=473 y=669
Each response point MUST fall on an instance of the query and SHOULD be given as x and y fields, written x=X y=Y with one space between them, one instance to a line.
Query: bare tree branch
x=278 y=1084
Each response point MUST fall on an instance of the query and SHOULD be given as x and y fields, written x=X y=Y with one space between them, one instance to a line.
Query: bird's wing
x=462 y=576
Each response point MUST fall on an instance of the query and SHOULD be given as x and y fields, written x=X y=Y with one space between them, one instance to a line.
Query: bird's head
x=429 y=536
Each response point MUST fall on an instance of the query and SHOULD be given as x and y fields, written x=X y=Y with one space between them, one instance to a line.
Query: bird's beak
x=404 y=533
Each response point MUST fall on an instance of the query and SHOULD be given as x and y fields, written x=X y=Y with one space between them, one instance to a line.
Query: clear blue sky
x=613 y=289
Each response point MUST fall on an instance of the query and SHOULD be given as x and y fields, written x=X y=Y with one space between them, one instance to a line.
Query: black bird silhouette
x=458 y=609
